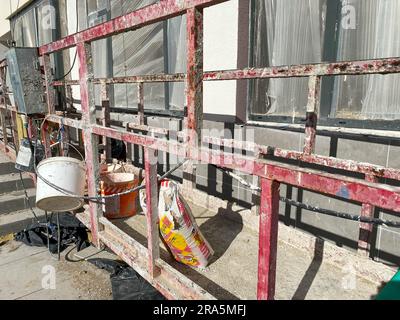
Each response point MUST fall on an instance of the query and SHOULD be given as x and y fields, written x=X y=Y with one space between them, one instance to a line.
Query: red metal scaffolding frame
x=147 y=261
x=8 y=118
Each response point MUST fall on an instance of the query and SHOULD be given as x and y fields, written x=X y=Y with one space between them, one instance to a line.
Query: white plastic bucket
x=66 y=173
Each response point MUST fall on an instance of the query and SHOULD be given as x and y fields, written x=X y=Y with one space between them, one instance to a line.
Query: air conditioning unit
x=26 y=80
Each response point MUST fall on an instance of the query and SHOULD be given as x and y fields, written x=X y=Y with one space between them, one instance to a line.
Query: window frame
x=325 y=117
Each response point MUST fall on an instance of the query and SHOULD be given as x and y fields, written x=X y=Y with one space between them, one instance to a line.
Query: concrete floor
x=23 y=268
x=26 y=274
x=232 y=273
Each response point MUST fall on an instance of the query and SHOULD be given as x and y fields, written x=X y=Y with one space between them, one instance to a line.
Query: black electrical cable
x=28 y=200
x=341 y=214
x=70 y=70
x=76 y=51
x=328 y=212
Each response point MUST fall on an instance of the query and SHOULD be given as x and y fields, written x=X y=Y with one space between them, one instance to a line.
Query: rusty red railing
x=8 y=118
x=272 y=173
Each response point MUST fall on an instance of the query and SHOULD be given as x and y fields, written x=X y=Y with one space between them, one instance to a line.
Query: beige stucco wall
x=225 y=48
x=220 y=52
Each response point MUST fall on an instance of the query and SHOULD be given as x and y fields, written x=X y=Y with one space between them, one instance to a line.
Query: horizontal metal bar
x=151 y=78
x=73 y=123
x=377 y=66
x=342 y=164
x=162 y=145
x=159 y=11
x=330 y=162
x=169 y=282
x=348 y=165
x=162 y=131
x=62 y=83
x=379 y=195
x=341 y=186
x=8 y=108
x=327 y=130
x=142 y=127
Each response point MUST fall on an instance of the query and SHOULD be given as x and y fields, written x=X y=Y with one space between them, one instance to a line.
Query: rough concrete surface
x=232 y=273
x=23 y=268
x=25 y=272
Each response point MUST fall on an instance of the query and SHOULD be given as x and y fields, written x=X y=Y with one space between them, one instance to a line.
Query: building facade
x=252 y=33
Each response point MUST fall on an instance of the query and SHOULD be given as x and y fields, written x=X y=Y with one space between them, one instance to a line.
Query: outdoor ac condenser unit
x=26 y=80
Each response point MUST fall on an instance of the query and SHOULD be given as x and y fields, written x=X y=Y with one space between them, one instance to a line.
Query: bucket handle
x=71 y=145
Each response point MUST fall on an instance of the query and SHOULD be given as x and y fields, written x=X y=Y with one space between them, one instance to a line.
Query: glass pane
x=375 y=36
x=45 y=22
x=286 y=32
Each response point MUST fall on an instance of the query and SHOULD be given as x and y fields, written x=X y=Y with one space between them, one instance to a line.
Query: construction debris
x=179 y=228
x=6 y=238
x=71 y=231
x=126 y=283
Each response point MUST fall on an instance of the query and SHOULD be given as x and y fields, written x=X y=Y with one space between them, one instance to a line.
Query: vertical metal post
x=150 y=158
x=140 y=96
x=3 y=112
x=14 y=130
x=314 y=89
x=64 y=140
x=268 y=239
x=48 y=73
x=68 y=96
x=46 y=139
x=106 y=120
x=194 y=89
x=91 y=141
x=364 y=239
x=129 y=155
x=4 y=128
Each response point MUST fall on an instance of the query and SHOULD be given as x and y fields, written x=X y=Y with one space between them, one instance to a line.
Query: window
x=36 y=25
x=24 y=30
x=287 y=32
x=154 y=49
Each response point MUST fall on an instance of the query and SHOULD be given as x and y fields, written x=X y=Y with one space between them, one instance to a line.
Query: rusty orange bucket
x=121 y=206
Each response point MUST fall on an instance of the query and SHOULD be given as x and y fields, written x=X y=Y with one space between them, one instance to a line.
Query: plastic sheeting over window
x=155 y=49
x=137 y=52
x=289 y=32
x=46 y=22
x=376 y=36
x=36 y=26
x=24 y=30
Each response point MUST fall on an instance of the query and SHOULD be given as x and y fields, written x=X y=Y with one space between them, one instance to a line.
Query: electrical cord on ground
x=328 y=212
x=81 y=259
